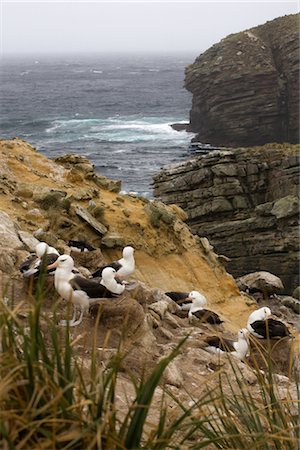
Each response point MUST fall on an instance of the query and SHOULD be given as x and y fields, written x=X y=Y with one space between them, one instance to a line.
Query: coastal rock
x=262 y=281
x=87 y=217
x=296 y=292
x=286 y=207
x=247 y=211
x=9 y=236
x=246 y=87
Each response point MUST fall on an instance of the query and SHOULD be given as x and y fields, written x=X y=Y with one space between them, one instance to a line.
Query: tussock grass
x=49 y=400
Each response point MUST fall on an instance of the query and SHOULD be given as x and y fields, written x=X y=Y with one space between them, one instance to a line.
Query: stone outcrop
x=246 y=88
x=246 y=202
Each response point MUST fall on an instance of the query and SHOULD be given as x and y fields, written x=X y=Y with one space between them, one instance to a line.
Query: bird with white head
x=80 y=291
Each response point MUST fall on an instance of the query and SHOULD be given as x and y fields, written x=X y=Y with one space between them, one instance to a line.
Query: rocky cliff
x=246 y=88
x=245 y=201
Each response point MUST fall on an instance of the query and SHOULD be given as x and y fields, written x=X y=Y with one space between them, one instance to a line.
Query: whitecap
x=96 y=71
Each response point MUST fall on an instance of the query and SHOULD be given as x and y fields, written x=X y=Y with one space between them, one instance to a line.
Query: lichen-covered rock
x=50 y=199
x=246 y=88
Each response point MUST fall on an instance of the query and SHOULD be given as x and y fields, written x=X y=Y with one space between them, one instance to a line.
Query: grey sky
x=38 y=27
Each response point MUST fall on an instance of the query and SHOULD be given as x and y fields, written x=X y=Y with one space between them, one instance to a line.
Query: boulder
x=296 y=292
x=286 y=207
x=9 y=236
x=261 y=281
x=88 y=218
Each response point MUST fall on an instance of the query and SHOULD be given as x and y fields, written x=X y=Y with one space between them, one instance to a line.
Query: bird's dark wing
x=91 y=287
x=177 y=296
x=270 y=327
x=208 y=316
x=278 y=328
x=25 y=265
x=223 y=344
x=115 y=265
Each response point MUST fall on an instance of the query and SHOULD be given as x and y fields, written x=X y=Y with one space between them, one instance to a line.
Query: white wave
x=153 y=70
x=119 y=129
x=97 y=71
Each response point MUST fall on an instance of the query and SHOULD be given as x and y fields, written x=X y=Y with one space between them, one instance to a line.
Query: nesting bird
x=239 y=348
x=124 y=267
x=80 y=246
x=80 y=290
x=43 y=253
x=198 y=312
x=262 y=326
x=181 y=298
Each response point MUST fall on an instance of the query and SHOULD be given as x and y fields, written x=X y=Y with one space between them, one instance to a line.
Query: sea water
x=114 y=109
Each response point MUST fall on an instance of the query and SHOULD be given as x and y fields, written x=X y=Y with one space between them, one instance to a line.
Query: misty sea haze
x=114 y=109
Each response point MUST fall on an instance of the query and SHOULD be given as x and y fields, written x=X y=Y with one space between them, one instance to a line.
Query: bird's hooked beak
x=52 y=266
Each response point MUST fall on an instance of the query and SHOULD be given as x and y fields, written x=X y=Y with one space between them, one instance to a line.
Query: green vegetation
x=50 y=400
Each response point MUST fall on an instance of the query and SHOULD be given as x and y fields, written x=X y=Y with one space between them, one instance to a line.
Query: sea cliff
x=246 y=87
x=246 y=202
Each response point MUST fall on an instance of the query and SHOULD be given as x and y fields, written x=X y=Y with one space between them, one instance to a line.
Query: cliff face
x=246 y=202
x=246 y=88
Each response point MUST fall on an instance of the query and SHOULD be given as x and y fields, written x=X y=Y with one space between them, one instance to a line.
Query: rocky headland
x=246 y=87
x=246 y=202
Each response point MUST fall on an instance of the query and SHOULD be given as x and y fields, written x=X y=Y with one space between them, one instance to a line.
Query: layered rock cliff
x=245 y=201
x=246 y=88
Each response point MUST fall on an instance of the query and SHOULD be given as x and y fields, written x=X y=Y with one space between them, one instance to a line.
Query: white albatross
x=262 y=326
x=43 y=252
x=239 y=348
x=197 y=311
x=124 y=266
x=81 y=291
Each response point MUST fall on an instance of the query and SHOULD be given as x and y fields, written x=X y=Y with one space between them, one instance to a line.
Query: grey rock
x=9 y=236
x=264 y=281
x=286 y=207
x=29 y=241
x=88 y=218
x=111 y=240
x=296 y=293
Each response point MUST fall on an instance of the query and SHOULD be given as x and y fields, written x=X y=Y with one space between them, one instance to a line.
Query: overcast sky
x=43 y=27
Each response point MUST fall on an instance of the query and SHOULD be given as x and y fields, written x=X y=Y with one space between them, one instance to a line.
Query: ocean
x=114 y=109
